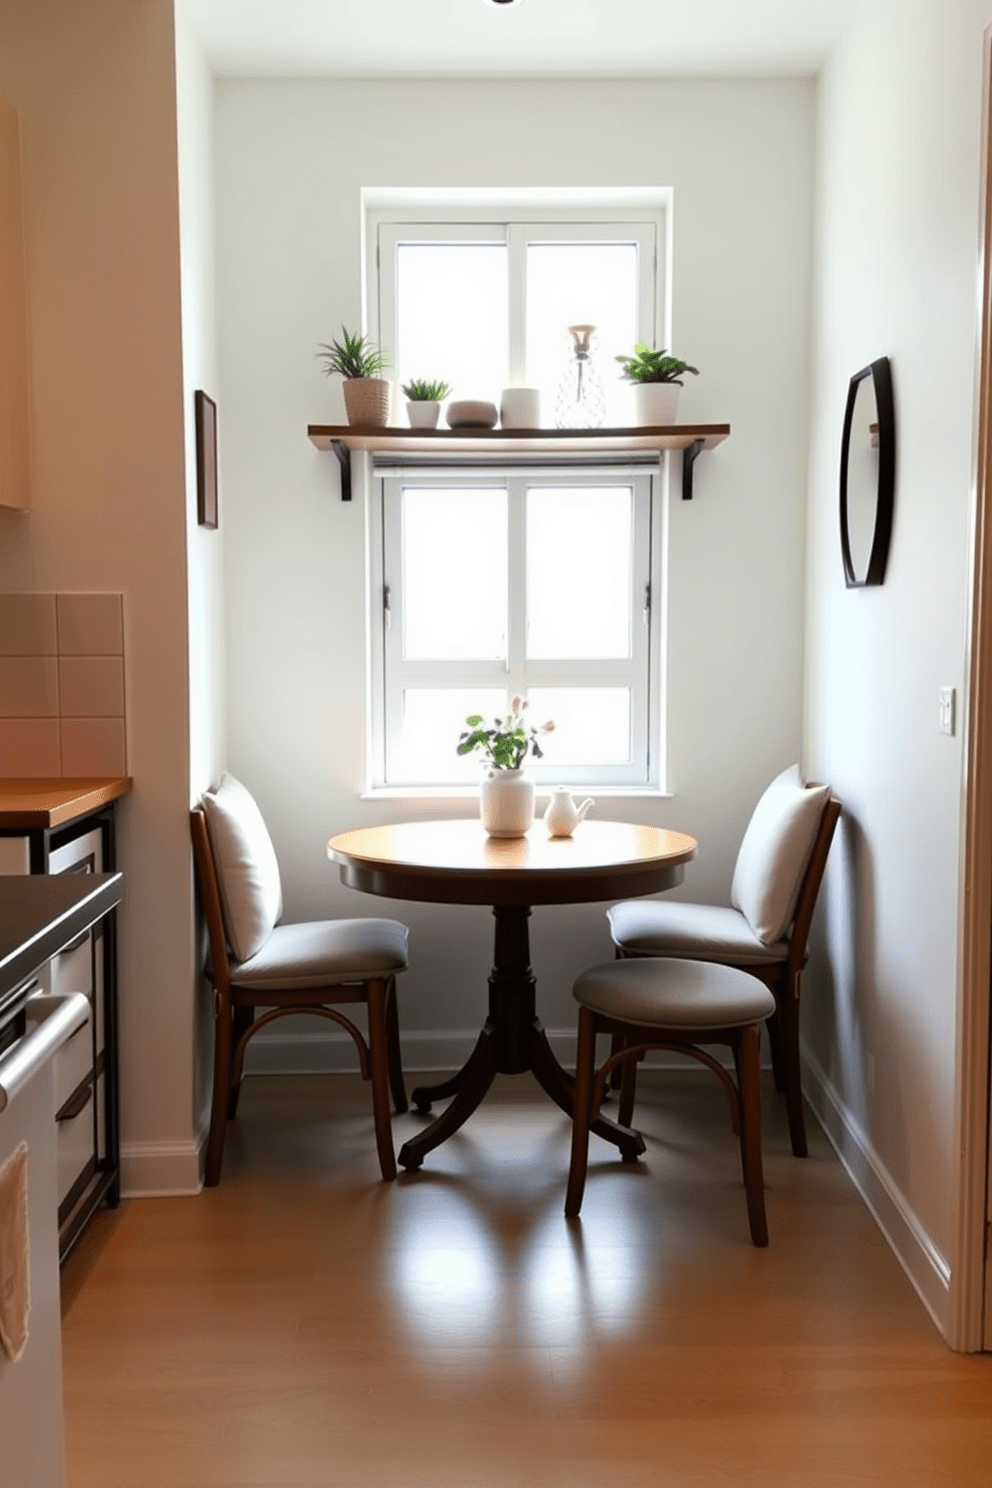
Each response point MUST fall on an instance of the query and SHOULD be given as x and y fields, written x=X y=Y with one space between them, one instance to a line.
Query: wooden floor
x=305 y=1325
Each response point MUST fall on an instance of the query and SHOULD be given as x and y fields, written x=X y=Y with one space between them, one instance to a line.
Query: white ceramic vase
x=506 y=803
x=656 y=403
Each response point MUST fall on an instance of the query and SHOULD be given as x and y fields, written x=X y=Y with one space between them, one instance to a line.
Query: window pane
x=581 y=284
x=433 y=719
x=592 y=724
x=454 y=574
x=453 y=316
x=579 y=572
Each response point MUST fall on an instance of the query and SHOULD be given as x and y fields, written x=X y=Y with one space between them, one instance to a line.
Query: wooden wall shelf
x=691 y=439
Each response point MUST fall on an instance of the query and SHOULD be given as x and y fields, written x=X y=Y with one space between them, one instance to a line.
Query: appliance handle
x=53 y=1020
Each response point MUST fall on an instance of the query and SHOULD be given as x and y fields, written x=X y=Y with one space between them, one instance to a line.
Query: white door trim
x=970 y=1310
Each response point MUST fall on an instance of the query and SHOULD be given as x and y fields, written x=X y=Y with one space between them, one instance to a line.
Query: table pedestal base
x=511 y=1042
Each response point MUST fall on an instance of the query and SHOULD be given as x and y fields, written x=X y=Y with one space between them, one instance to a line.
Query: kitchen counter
x=39 y=914
x=52 y=801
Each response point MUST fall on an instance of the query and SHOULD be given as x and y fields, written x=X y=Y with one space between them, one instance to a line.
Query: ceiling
x=537 y=38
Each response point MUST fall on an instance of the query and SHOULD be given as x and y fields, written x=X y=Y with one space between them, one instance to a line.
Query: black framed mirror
x=867 y=475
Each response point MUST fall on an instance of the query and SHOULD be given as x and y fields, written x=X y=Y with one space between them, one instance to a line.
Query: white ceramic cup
x=520 y=408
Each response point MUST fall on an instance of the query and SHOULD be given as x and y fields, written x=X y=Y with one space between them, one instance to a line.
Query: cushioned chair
x=765 y=929
x=666 y=1003
x=256 y=963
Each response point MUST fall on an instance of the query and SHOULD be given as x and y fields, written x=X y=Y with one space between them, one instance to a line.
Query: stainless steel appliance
x=31 y=1443
x=40 y=916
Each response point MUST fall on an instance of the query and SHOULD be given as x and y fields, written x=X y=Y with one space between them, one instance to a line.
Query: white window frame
x=517 y=235
x=643 y=672
x=594 y=214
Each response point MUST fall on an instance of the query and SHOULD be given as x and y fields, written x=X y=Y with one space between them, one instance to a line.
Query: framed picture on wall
x=206 y=459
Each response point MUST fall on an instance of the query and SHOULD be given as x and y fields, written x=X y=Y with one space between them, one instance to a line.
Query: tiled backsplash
x=62 y=685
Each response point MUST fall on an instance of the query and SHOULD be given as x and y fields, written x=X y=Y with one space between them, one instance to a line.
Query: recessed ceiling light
x=504 y=2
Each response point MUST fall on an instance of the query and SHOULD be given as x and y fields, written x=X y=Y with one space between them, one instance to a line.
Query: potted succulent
x=506 y=794
x=657 y=378
x=360 y=362
x=424 y=399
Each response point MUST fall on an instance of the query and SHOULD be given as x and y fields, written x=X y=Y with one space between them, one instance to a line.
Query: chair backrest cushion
x=774 y=854
x=247 y=869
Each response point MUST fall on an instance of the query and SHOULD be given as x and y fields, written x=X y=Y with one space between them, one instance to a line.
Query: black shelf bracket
x=344 y=460
x=689 y=455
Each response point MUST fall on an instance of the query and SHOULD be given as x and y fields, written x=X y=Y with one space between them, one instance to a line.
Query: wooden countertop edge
x=52 y=802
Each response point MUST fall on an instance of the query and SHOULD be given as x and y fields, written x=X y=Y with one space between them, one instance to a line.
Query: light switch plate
x=947 y=700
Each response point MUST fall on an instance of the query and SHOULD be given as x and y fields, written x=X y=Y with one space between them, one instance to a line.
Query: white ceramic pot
x=506 y=803
x=520 y=408
x=367 y=400
x=423 y=413
x=656 y=403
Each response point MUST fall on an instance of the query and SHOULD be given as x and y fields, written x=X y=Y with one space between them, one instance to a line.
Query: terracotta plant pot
x=367 y=400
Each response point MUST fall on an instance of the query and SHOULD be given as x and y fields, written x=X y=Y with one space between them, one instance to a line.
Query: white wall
x=896 y=256
x=291 y=158
x=95 y=88
x=205 y=546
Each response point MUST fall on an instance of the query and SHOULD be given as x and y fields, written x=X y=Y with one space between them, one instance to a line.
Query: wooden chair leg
x=617 y=1074
x=221 y=1096
x=788 y=1022
x=628 y=1088
x=241 y=1020
x=396 y=1082
x=748 y=1060
x=775 y=1047
x=585 y=1060
x=379 y=1070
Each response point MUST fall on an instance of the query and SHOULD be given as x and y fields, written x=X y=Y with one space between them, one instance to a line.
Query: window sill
x=470 y=793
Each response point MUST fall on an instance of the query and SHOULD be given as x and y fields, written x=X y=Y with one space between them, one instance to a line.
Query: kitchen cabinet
x=65 y=828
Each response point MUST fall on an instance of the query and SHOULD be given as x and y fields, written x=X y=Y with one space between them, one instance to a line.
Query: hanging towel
x=15 y=1273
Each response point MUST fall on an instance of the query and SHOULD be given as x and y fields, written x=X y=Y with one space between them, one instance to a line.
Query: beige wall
x=95 y=88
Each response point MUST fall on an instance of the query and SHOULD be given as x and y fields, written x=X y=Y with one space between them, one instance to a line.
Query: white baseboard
x=926 y=1268
x=161 y=1169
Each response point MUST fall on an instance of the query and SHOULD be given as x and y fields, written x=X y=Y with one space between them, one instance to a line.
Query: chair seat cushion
x=701 y=932
x=322 y=953
x=660 y=992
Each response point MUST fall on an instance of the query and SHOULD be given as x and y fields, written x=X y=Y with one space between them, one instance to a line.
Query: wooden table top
x=456 y=862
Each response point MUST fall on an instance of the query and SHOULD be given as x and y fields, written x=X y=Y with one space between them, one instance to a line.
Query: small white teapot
x=562 y=816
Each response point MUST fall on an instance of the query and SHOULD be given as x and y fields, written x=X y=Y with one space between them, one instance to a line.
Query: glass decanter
x=580 y=402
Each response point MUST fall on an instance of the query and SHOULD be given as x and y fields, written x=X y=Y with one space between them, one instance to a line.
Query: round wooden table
x=455 y=862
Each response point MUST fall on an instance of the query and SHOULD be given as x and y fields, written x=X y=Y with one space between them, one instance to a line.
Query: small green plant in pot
x=361 y=363
x=656 y=378
x=506 y=795
x=424 y=398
